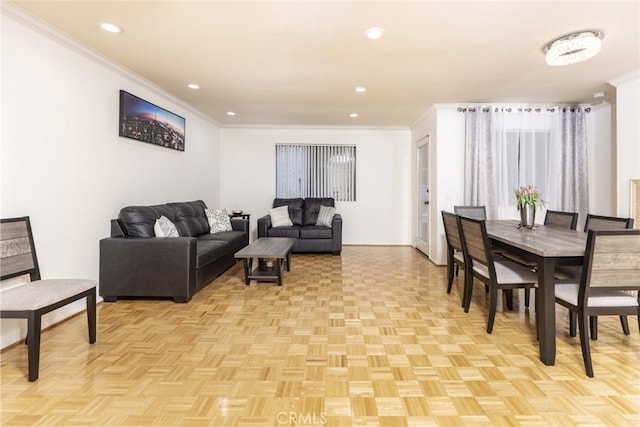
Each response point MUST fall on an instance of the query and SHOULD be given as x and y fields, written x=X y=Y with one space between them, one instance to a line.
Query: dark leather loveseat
x=304 y=214
x=135 y=263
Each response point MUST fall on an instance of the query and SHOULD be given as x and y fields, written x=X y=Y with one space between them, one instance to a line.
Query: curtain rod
x=526 y=110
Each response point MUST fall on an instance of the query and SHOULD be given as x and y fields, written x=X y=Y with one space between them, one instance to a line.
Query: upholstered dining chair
x=573 y=273
x=478 y=212
x=32 y=300
x=455 y=251
x=609 y=280
x=481 y=263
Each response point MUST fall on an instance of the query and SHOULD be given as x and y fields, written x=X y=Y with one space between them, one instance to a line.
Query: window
x=316 y=171
x=528 y=159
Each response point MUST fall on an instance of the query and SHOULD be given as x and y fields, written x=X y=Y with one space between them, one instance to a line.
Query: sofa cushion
x=315 y=232
x=296 y=207
x=189 y=218
x=235 y=238
x=312 y=208
x=165 y=228
x=210 y=250
x=138 y=221
x=218 y=220
x=280 y=217
x=293 y=231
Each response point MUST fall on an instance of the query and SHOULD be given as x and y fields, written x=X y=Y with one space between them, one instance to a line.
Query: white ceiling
x=297 y=62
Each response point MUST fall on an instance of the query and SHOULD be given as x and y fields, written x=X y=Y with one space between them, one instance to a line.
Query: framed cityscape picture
x=146 y=122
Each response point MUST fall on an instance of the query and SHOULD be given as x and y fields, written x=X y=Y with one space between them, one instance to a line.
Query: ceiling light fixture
x=353 y=115
x=374 y=33
x=572 y=48
x=230 y=113
x=361 y=89
x=110 y=27
x=193 y=86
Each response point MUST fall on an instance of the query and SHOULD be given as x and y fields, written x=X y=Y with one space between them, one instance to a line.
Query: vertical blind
x=316 y=171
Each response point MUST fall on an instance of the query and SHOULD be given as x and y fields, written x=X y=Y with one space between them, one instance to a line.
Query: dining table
x=548 y=247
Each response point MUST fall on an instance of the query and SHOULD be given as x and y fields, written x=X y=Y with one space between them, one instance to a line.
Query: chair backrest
x=561 y=219
x=477 y=212
x=476 y=241
x=452 y=230
x=17 y=251
x=599 y=222
x=612 y=260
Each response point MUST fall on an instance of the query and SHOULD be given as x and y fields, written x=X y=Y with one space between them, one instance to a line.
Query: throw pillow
x=325 y=216
x=163 y=227
x=280 y=217
x=219 y=220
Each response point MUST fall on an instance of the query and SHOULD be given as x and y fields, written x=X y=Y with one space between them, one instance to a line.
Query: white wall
x=63 y=163
x=628 y=138
x=601 y=159
x=379 y=216
x=446 y=170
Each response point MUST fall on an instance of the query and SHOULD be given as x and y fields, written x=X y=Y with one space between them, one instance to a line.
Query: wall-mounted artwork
x=144 y=121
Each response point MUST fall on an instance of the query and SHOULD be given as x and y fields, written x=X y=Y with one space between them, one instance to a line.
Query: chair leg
x=508 y=293
x=593 y=324
x=625 y=325
x=493 y=306
x=584 y=344
x=572 y=323
x=34 y=324
x=467 y=291
x=449 y=273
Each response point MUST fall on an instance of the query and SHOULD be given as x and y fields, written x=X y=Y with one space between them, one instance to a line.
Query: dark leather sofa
x=304 y=214
x=135 y=263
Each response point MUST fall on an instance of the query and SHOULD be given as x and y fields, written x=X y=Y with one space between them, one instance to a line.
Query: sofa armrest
x=336 y=226
x=240 y=224
x=264 y=223
x=148 y=267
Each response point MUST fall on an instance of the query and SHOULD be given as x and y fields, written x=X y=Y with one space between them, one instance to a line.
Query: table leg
x=289 y=261
x=247 y=264
x=546 y=316
x=278 y=266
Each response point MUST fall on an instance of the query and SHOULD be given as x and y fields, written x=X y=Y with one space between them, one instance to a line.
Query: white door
x=422 y=235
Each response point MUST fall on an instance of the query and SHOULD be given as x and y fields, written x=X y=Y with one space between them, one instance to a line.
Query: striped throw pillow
x=325 y=216
x=280 y=217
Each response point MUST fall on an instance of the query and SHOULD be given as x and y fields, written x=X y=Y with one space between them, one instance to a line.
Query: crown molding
x=625 y=78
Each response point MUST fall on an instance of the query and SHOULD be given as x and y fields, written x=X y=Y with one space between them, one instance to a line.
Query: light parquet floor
x=370 y=338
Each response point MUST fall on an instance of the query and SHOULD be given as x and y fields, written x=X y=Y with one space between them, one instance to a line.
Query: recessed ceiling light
x=598 y=95
x=230 y=113
x=193 y=86
x=361 y=89
x=353 y=115
x=374 y=33
x=110 y=27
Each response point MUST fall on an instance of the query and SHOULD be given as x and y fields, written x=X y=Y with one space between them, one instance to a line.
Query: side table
x=241 y=216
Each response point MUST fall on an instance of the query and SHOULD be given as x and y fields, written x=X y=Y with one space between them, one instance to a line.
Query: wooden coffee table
x=277 y=249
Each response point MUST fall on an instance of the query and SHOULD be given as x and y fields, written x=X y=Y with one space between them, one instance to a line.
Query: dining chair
x=455 y=251
x=573 y=273
x=599 y=222
x=478 y=212
x=495 y=272
x=34 y=299
x=611 y=271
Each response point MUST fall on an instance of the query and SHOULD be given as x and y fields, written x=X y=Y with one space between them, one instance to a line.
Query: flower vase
x=528 y=217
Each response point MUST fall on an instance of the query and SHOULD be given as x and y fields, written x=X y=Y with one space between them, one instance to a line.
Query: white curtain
x=508 y=147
